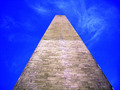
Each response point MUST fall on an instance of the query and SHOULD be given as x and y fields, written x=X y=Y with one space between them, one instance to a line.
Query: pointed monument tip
x=59 y=15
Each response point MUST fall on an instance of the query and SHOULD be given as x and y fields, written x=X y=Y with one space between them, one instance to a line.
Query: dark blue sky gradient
x=24 y=22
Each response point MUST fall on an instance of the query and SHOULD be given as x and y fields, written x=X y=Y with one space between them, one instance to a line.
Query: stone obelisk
x=61 y=61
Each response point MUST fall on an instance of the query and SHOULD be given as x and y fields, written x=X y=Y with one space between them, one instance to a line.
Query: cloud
x=93 y=26
x=40 y=9
x=61 y=4
x=90 y=24
x=93 y=21
x=7 y=22
x=49 y=6
x=38 y=6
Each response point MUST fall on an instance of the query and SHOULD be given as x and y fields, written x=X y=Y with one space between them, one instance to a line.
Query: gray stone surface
x=61 y=61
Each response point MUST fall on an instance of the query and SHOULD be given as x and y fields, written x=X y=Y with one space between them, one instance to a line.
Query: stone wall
x=61 y=61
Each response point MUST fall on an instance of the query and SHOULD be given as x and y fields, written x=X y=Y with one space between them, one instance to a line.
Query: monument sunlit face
x=62 y=61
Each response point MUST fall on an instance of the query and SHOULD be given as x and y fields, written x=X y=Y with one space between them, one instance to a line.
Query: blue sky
x=23 y=23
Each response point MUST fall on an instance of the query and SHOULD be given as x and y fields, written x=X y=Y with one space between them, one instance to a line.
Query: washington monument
x=61 y=61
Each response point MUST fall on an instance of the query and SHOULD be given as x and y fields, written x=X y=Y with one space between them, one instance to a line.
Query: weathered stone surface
x=61 y=61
